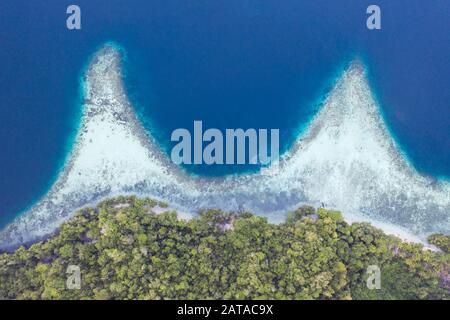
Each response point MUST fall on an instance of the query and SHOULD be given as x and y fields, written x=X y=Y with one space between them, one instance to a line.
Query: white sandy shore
x=346 y=160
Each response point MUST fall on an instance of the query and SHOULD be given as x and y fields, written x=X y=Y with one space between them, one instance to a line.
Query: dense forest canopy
x=131 y=248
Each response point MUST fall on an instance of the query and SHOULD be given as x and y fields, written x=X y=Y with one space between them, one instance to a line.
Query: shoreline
x=361 y=171
x=388 y=230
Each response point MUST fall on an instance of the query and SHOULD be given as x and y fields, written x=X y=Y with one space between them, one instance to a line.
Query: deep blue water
x=231 y=64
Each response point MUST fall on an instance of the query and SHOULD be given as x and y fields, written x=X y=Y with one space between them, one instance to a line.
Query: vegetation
x=441 y=241
x=127 y=249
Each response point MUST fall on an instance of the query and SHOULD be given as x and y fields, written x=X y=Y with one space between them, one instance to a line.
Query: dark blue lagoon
x=231 y=64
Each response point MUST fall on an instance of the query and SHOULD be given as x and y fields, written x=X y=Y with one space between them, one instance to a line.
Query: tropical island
x=265 y=239
x=138 y=248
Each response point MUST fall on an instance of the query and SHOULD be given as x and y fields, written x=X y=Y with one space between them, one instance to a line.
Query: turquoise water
x=231 y=64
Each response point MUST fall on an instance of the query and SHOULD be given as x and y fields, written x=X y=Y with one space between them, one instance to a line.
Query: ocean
x=231 y=64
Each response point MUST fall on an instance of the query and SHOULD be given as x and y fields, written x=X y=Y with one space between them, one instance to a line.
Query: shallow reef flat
x=346 y=159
